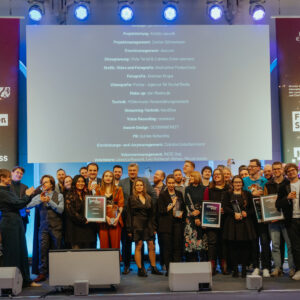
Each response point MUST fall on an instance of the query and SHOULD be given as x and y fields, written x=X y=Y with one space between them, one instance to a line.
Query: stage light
x=215 y=9
x=170 y=10
x=126 y=10
x=82 y=10
x=36 y=10
x=257 y=10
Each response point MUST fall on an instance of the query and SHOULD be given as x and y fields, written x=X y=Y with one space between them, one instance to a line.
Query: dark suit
x=292 y=224
x=171 y=228
x=19 y=189
x=125 y=240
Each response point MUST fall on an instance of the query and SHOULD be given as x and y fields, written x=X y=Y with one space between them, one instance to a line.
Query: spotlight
x=82 y=10
x=36 y=10
x=170 y=10
x=257 y=10
x=215 y=9
x=126 y=10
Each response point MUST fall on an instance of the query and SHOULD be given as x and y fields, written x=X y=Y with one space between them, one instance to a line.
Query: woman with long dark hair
x=141 y=225
x=195 y=239
x=217 y=192
x=238 y=227
x=79 y=232
x=171 y=209
x=110 y=232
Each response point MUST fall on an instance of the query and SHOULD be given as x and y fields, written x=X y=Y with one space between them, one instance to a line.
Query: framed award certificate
x=95 y=208
x=257 y=207
x=211 y=214
x=269 y=210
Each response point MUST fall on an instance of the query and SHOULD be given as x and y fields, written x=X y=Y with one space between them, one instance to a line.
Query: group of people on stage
x=170 y=210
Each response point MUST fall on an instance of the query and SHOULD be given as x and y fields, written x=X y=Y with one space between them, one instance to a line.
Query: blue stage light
x=126 y=13
x=215 y=12
x=170 y=12
x=82 y=11
x=258 y=12
x=35 y=13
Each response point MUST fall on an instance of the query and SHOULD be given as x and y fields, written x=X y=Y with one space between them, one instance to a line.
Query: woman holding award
x=171 y=209
x=195 y=240
x=79 y=233
x=141 y=225
x=239 y=228
x=110 y=232
x=217 y=192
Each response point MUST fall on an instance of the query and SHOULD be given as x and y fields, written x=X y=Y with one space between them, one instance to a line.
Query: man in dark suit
x=288 y=201
x=19 y=189
x=92 y=181
x=126 y=185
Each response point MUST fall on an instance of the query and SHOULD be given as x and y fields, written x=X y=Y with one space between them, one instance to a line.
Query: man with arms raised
x=127 y=184
x=288 y=201
x=255 y=184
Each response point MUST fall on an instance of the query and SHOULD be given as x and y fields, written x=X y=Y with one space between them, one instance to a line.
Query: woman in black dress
x=12 y=229
x=195 y=239
x=239 y=228
x=141 y=225
x=171 y=209
x=79 y=232
x=217 y=192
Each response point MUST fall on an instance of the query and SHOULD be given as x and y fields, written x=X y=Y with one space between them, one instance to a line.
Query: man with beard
x=118 y=172
x=60 y=176
x=179 y=184
x=158 y=180
x=268 y=173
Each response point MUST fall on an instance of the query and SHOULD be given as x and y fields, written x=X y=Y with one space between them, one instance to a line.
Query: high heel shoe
x=142 y=273
x=155 y=271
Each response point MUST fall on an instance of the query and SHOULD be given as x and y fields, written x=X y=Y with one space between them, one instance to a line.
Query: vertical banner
x=288 y=51
x=9 y=63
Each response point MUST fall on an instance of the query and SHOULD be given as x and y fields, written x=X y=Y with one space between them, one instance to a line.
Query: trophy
x=114 y=214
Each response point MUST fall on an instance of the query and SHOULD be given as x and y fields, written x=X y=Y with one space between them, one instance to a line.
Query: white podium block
x=254 y=282
x=81 y=288
x=11 y=278
x=191 y=276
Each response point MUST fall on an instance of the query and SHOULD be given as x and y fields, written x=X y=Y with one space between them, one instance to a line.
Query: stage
x=156 y=287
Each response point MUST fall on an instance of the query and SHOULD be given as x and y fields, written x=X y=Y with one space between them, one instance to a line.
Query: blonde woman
x=110 y=232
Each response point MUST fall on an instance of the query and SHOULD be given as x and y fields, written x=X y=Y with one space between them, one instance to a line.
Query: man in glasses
x=255 y=184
